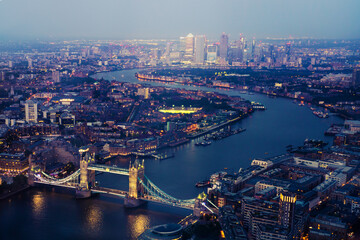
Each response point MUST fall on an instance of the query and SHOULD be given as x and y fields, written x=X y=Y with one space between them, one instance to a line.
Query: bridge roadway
x=108 y=169
x=67 y=185
x=118 y=193
x=110 y=191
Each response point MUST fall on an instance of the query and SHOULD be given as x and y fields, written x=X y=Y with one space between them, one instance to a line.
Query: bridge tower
x=87 y=178
x=136 y=189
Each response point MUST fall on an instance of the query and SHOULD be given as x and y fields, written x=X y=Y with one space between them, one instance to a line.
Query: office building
x=199 y=49
x=31 y=111
x=287 y=209
x=223 y=49
x=211 y=54
x=189 y=46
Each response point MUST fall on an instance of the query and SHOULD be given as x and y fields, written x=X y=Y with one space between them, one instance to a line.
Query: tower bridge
x=141 y=189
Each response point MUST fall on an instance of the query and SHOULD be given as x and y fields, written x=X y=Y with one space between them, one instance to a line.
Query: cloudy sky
x=129 y=19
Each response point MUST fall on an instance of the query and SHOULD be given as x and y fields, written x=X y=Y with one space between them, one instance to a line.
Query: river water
x=49 y=214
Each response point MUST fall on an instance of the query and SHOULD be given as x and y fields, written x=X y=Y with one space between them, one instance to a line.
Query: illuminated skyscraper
x=199 y=49
x=223 y=50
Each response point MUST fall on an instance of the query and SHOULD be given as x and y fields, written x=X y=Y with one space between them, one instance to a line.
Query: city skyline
x=111 y=19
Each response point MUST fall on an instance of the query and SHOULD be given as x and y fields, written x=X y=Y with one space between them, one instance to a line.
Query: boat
x=321 y=114
x=204 y=183
x=203 y=143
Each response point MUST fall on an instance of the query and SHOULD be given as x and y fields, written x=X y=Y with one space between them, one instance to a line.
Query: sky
x=169 y=19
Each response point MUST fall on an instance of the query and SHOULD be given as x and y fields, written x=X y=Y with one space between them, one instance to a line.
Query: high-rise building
x=189 y=46
x=239 y=51
x=223 y=49
x=2 y=76
x=31 y=111
x=356 y=77
x=56 y=76
x=288 y=48
x=182 y=44
x=10 y=64
x=29 y=63
x=211 y=53
x=199 y=49
x=253 y=45
x=287 y=209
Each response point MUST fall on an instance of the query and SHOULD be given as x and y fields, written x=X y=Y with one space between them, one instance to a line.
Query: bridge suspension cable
x=156 y=192
x=51 y=179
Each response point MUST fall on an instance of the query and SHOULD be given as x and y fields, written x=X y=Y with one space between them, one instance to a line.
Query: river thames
x=49 y=214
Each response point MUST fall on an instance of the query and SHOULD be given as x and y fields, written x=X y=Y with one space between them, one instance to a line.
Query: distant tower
x=288 y=49
x=2 y=76
x=12 y=92
x=253 y=45
x=31 y=111
x=199 y=49
x=239 y=54
x=287 y=209
x=223 y=50
x=29 y=63
x=168 y=49
x=56 y=76
x=211 y=54
x=189 y=46
x=10 y=64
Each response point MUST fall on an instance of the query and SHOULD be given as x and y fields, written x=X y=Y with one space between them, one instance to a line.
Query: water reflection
x=94 y=220
x=38 y=206
x=138 y=224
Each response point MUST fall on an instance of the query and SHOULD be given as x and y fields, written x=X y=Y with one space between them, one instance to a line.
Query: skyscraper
x=31 y=111
x=189 y=46
x=199 y=49
x=211 y=53
x=287 y=209
x=223 y=49
x=253 y=45
x=239 y=52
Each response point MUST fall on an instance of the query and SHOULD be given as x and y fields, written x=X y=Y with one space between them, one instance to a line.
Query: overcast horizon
x=169 y=19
